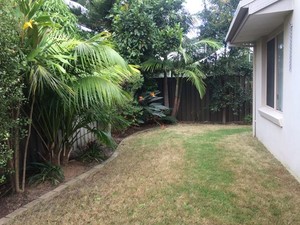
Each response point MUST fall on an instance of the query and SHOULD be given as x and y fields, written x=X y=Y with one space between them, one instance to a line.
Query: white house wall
x=282 y=138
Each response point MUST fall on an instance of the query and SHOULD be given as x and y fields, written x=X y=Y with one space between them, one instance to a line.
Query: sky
x=194 y=6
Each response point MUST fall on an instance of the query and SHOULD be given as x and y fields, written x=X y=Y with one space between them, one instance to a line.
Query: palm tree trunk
x=179 y=95
x=66 y=155
x=166 y=90
x=176 y=98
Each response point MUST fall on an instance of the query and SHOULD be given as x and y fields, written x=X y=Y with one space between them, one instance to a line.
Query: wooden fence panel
x=193 y=108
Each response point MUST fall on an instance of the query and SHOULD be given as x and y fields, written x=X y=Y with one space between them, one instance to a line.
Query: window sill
x=272 y=115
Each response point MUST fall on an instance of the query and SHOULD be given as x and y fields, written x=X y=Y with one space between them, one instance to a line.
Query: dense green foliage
x=182 y=66
x=10 y=85
x=144 y=29
x=216 y=17
x=93 y=153
x=229 y=71
x=229 y=78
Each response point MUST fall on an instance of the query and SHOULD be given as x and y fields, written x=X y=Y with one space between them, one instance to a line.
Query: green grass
x=184 y=174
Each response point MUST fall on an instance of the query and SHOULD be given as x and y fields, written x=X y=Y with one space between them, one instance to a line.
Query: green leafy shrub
x=47 y=172
x=248 y=119
x=93 y=153
x=132 y=113
x=5 y=155
x=10 y=86
x=153 y=109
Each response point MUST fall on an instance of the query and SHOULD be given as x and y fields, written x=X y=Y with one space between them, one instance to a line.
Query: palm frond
x=97 y=89
x=96 y=52
x=209 y=42
x=197 y=79
x=152 y=64
x=155 y=64
x=40 y=76
x=134 y=69
x=116 y=73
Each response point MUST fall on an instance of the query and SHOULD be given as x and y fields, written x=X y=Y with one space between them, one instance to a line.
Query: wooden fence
x=194 y=109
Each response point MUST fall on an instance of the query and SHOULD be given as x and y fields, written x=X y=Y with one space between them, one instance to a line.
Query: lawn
x=183 y=174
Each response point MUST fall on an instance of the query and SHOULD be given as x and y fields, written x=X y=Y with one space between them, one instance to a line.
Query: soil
x=74 y=168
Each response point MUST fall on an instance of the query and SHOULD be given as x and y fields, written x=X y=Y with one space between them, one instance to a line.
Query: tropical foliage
x=69 y=82
x=181 y=66
x=152 y=108
x=143 y=30
x=93 y=153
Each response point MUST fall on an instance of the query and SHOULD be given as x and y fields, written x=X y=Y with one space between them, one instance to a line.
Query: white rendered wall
x=283 y=142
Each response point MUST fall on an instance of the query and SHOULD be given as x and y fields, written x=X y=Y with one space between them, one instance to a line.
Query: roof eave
x=235 y=25
x=255 y=18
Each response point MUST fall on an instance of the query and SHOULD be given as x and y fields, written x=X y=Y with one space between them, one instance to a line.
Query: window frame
x=276 y=104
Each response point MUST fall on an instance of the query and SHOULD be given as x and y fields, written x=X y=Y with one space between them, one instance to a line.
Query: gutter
x=236 y=23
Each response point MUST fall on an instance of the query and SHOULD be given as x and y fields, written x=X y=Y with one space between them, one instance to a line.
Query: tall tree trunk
x=179 y=95
x=15 y=145
x=178 y=89
x=27 y=144
x=17 y=161
x=12 y=175
x=166 y=90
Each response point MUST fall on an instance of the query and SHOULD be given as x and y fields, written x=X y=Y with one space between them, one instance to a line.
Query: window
x=275 y=72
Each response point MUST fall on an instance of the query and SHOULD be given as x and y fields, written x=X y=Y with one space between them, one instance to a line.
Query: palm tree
x=181 y=65
x=75 y=74
x=96 y=73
